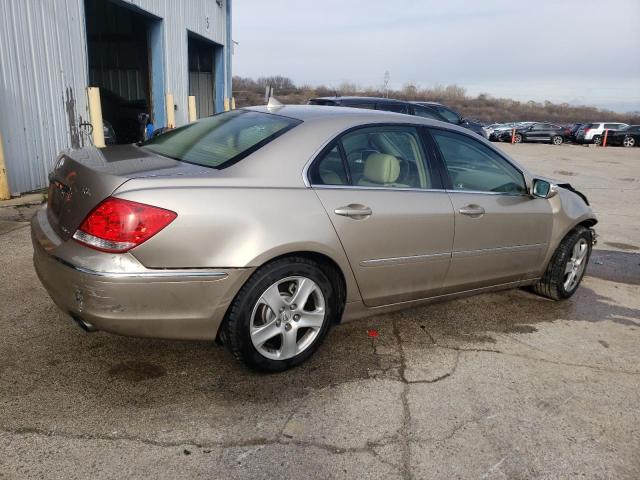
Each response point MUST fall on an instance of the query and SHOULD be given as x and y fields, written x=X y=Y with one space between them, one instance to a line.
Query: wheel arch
x=334 y=268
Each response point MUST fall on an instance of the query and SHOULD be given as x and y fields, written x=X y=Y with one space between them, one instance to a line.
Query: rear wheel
x=280 y=316
x=518 y=138
x=567 y=266
x=629 y=142
x=597 y=140
x=557 y=140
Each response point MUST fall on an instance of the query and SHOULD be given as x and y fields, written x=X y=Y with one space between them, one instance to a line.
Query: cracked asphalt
x=501 y=385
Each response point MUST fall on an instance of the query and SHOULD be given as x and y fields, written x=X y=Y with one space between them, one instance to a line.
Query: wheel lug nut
x=278 y=323
x=293 y=306
x=281 y=309
x=287 y=327
x=296 y=317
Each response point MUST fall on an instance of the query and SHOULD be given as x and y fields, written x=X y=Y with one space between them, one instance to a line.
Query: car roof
x=358 y=99
x=316 y=112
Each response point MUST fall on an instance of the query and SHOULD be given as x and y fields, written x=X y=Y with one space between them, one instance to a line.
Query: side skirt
x=356 y=310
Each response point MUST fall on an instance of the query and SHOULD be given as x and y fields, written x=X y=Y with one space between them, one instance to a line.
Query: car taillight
x=586 y=130
x=117 y=225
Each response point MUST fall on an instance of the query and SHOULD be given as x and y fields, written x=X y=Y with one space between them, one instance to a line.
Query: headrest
x=381 y=168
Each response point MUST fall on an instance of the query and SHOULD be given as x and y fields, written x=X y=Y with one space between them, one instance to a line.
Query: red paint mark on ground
x=372 y=333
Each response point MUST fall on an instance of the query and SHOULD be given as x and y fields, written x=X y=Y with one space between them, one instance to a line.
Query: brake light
x=117 y=225
x=586 y=130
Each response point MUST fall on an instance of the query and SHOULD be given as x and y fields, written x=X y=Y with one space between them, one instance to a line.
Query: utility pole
x=387 y=76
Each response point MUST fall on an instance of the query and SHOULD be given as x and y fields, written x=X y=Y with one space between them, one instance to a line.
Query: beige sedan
x=263 y=227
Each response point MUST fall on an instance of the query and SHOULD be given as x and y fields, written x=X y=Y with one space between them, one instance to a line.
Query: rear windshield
x=221 y=140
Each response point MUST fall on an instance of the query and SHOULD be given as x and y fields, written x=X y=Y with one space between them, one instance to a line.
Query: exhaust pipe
x=83 y=324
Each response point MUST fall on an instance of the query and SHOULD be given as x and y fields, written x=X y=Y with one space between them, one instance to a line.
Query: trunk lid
x=83 y=178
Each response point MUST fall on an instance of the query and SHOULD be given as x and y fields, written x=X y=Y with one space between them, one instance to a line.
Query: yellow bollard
x=193 y=115
x=171 y=111
x=226 y=104
x=5 y=194
x=233 y=103
x=95 y=114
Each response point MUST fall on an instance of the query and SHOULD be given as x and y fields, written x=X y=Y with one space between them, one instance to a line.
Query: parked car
x=497 y=129
x=122 y=115
x=573 y=132
x=537 y=132
x=431 y=110
x=626 y=137
x=263 y=227
x=594 y=132
x=455 y=118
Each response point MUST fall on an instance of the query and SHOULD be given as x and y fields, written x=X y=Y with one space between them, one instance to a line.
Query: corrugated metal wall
x=44 y=74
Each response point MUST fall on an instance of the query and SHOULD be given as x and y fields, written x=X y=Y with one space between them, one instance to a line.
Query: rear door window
x=393 y=107
x=450 y=115
x=380 y=156
x=386 y=156
x=424 y=112
x=221 y=140
x=369 y=106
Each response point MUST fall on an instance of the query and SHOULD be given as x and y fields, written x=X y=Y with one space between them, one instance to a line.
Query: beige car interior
x=377 y=158
x=381 y=169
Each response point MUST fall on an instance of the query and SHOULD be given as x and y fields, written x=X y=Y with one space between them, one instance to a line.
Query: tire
x=557 y=140
x=629 y=142
x=555 y=282
x=597 y=140
x=519 y=138
x=264 y=324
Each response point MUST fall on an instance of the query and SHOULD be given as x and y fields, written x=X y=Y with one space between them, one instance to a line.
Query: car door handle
x=355 y=211
x=472 y=210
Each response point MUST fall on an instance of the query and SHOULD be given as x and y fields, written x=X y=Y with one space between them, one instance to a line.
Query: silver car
x=263 y=227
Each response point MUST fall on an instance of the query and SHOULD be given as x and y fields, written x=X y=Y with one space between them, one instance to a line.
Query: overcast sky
x=581 y=52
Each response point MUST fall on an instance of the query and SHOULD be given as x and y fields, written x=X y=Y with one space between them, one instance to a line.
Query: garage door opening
x=202 y=74
x=119 y=48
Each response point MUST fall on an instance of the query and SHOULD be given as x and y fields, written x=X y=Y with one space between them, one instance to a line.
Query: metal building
x=138 y=52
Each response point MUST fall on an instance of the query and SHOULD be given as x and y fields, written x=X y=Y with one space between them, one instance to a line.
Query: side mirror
x=543 y=189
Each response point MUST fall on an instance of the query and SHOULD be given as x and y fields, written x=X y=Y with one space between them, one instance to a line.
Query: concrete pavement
x=501 y=385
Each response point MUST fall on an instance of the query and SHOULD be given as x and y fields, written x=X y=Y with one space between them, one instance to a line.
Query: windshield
x=221 y=140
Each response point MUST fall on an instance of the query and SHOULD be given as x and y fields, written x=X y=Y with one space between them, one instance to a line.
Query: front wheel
x=518 y=138
x=280 y=316
x=597 y=140
x=567 y=266
x=557 y=140
x=629 y=142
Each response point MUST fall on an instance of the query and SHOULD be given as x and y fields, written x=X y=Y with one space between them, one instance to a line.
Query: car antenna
x=274 y=104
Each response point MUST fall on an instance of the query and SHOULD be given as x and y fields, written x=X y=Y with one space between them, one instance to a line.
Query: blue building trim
x=156 y=43
x=227 y=50
x=220 y=77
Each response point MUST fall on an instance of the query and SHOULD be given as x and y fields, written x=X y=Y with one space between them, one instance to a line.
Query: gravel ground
x=501 y=385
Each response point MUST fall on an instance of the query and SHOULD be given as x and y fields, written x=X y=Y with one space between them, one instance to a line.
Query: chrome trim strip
x=403 y=260
x=147 y=274
x=394 y=189
x=515 y=248
x=478 y=192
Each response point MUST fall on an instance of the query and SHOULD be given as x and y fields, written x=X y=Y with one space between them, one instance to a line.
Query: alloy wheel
x=287 y=318
x=629 y=142
x=557 y=140
x=575 y=265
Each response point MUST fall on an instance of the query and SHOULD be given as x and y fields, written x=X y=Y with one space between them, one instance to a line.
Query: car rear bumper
x=179 y=304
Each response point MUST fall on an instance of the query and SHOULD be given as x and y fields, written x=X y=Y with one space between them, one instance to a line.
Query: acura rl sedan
x=263 y=227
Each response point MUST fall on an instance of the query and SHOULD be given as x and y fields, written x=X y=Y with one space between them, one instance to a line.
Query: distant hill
x=484 y=107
